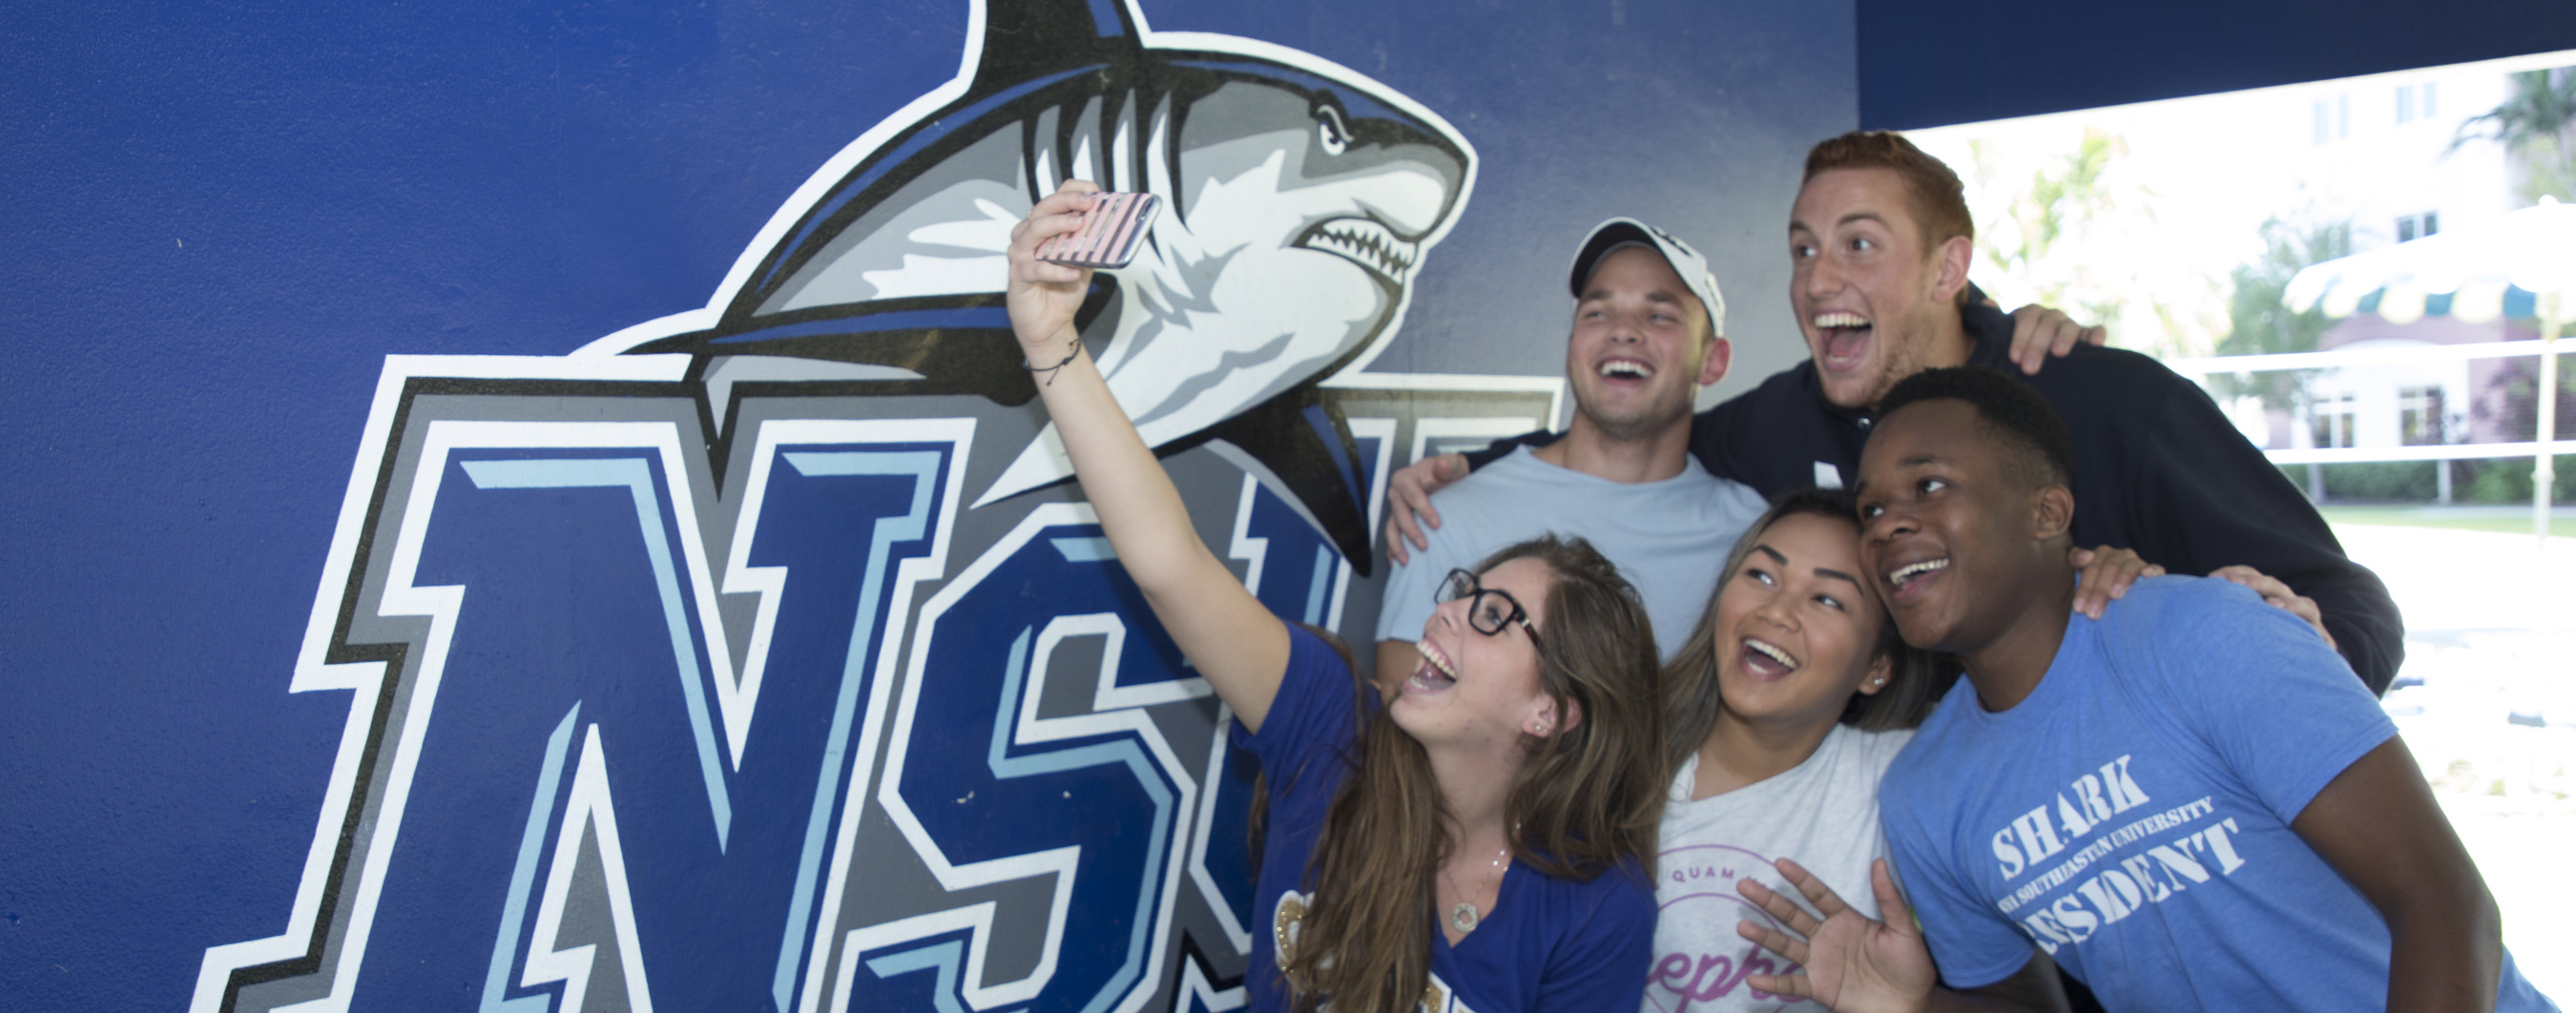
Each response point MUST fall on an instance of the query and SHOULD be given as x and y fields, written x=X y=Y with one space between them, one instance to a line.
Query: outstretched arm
x=1227 y=634
x=2207 y=500
x=1856 y=964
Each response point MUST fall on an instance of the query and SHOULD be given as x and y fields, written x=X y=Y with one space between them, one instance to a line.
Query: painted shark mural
x=1303 y=200
x=758 y=657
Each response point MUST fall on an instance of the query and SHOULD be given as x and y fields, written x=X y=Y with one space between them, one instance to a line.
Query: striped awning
x=2474 y=274
x=2476 y=302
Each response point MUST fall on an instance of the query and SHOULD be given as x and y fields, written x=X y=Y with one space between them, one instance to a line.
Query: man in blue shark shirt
x=2188 y=803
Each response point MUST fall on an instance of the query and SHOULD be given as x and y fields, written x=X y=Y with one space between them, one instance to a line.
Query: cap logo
x=1668 y=237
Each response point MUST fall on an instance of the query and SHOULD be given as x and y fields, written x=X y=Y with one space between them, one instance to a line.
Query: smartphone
x=1110 y=234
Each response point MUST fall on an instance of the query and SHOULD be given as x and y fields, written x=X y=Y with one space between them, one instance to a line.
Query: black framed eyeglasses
x=1488 y=610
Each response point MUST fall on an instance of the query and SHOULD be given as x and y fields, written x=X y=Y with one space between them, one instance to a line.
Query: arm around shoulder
x=2217 y=493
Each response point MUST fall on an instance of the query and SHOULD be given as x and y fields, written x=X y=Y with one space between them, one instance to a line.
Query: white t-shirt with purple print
x=1822 y=814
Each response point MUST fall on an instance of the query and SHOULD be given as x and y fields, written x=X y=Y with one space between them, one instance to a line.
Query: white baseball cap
x=1686 y=262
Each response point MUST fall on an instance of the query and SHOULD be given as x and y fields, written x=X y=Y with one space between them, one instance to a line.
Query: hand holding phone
x=1110 y=234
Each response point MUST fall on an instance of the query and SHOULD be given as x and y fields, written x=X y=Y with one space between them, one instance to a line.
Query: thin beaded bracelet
x=1076 y=353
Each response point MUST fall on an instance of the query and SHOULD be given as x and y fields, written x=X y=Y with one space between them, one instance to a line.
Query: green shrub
x=2503 y=480
x=2382 y=481
x=2508 y=480
x=2375 y=481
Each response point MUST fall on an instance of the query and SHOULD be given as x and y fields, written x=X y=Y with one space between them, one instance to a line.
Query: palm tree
x=2538 y=122
x=2258 y=323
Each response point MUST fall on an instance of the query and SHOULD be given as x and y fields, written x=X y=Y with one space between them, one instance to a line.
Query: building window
x=2418 y=226
x=2332 y=118
x=2330 y=422
x=2414 y=102
x=2419 y=415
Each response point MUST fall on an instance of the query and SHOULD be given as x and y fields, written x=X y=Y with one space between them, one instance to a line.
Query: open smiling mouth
x=1366 y=242
x=1845 y=334
x=1904 y=580
x=1435 y=672
x=1625 y=369
x=1766 y=660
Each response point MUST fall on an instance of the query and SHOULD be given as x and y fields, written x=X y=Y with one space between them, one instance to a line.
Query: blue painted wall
x=222 y=218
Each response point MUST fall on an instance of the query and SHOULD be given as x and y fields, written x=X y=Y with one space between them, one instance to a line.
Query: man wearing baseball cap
x=1648 y=334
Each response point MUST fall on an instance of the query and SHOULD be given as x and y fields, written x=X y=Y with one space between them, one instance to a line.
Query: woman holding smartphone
x=1476 y=843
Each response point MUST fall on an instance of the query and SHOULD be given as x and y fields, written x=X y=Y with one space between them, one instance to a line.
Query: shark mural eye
x=1331 y=131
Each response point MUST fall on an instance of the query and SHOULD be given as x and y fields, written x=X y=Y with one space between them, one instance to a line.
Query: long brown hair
x=1915 y=680
x=1586 y=801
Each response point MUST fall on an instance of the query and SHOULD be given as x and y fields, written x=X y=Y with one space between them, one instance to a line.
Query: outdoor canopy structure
x=2475 y=274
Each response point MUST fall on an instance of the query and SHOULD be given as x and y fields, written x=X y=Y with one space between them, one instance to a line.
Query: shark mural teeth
x=1301 y=200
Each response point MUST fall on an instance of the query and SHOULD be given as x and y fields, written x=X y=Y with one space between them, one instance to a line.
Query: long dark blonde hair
x=1915 y=679
x=1585 y=804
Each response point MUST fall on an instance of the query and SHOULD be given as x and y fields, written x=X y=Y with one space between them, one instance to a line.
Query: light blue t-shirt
x=1549 y=946
x=1668 y=538
x=2132 y=816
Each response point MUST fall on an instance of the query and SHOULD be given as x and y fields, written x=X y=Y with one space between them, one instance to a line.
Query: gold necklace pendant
x=1463 y=917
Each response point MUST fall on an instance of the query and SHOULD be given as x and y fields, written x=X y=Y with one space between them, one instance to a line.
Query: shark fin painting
x=1301 y=198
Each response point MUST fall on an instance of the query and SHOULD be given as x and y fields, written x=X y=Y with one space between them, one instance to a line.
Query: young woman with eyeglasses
x=1476 y=842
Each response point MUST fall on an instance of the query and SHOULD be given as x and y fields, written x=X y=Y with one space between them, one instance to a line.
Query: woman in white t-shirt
x=1782 y=711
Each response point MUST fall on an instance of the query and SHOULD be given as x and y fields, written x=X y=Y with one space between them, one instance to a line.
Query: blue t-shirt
x=2132 y=815
x=1550 y=944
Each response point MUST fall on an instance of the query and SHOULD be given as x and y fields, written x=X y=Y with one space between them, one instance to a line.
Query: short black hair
x=2041 y=451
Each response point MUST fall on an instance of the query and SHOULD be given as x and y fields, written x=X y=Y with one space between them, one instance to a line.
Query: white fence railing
x=2539 y=450
x=2214 y=365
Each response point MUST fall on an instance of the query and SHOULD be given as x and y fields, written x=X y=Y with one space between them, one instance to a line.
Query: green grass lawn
x=2508 y=520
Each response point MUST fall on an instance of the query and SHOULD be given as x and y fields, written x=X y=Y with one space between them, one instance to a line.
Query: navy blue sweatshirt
x=2158 y=470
